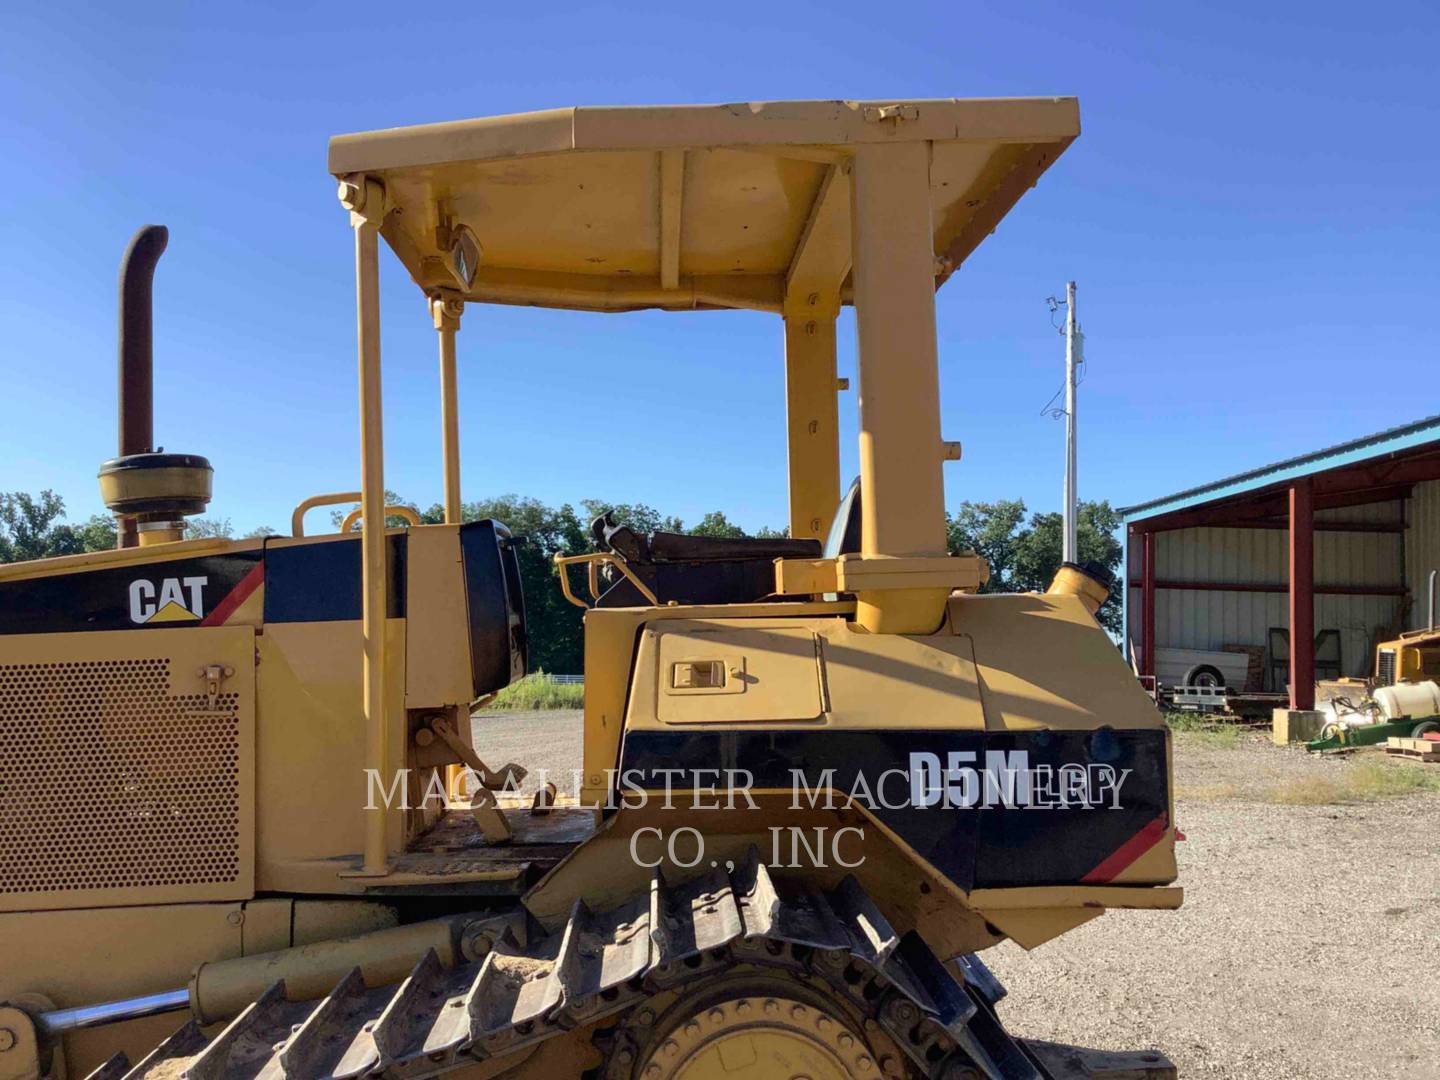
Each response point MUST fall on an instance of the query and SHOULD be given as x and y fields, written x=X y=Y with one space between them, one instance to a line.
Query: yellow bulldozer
x=820 y=773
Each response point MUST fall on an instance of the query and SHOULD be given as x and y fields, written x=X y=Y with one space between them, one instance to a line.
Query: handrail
x=297 y=519
x=593 y=561
x=406 y=512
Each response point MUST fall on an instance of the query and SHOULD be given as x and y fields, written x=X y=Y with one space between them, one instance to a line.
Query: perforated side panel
x=108 y=780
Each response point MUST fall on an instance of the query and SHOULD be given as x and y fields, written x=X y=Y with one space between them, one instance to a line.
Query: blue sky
x=1251 y=213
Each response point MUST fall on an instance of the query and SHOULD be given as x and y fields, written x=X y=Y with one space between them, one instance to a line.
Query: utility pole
x=1073 y=357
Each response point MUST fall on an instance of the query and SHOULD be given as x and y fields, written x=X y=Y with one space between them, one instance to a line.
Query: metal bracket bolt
x=894 y=113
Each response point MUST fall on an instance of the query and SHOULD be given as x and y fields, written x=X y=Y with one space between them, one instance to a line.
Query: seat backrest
x=683 y=569
x=683 y=547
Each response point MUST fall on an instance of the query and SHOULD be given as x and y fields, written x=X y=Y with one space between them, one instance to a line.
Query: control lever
x=483 y=804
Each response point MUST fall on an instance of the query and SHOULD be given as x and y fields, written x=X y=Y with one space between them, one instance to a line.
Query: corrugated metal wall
x=1422 y=547
x=1201 y=619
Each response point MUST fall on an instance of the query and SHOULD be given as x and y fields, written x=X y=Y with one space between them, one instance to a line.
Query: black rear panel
x=1010 y=808
x=498 y=647
x=129 y=597
x=321 y=582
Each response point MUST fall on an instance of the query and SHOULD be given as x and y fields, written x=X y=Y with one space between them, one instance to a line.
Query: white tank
x=1408 y=699
x=1345 y=715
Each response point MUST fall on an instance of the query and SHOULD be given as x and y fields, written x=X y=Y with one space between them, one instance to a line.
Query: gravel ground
x=547 y=741
x=1308 y=946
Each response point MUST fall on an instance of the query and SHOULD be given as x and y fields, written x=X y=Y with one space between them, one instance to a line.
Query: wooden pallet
x=1414 y=749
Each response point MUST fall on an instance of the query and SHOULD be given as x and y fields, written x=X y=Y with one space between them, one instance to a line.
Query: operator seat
x=684 y=569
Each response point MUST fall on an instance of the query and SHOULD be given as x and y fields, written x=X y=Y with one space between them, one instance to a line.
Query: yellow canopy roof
x=684 y=207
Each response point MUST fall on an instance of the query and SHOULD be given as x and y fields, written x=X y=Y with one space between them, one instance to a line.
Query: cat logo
x=176 y=600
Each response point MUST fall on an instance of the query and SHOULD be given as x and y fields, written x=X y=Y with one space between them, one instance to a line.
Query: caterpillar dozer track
x=823 y=975
x=246 y=829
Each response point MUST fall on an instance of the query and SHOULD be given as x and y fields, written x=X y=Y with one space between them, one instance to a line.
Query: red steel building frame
x=1380 y=468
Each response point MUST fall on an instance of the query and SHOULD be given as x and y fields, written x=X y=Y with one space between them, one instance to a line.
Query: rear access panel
x=732 y=674
x=127 y=767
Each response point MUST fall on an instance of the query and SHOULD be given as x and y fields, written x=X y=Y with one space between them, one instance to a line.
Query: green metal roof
x=1395 y=439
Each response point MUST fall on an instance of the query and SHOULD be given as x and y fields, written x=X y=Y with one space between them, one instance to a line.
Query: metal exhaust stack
x=137 y=339
x=148 y=491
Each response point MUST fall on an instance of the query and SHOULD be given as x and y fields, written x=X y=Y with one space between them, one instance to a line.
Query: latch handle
x=214 y=675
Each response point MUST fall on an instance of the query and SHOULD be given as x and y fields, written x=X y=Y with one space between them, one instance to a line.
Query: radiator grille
x=1386 y=673
x=108 y=781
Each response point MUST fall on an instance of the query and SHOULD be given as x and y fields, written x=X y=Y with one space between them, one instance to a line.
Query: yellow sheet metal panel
x=822 y=255
x=897 y=681
x=137 y=771
x=866 y=681
x=309 y=712
x=103 y=954
x=718 y=673
x=611 y=638
x=114 y=557
x=773 y=123
x=812 y=416
x=551 y=213
x=1044 y=663
x=745 y=212
x=464 y=140
x=801 y=577
x=965 y=573
x=683 y=207
x=437 y=631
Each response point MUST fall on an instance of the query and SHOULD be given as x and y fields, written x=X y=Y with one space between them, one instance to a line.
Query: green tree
x=31 y=528
x=392 y=521
x=201 y=528
x=718 y=525
x=1024 y=555
x=641 y=518
x=989 y=530
x=555 y=626
x=28 y=525
x=96 y=533
x=205 y=528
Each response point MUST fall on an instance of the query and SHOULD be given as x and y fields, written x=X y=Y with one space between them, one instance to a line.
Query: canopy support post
x=812 y=412
x=902 y=491
x=446 y=309
x=365 y=199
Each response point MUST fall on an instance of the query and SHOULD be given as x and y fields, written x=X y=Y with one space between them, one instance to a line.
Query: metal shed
x=1342 y=539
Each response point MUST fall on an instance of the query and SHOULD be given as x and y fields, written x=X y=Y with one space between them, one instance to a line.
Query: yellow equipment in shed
x=1412 y=657
x=820 y=774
